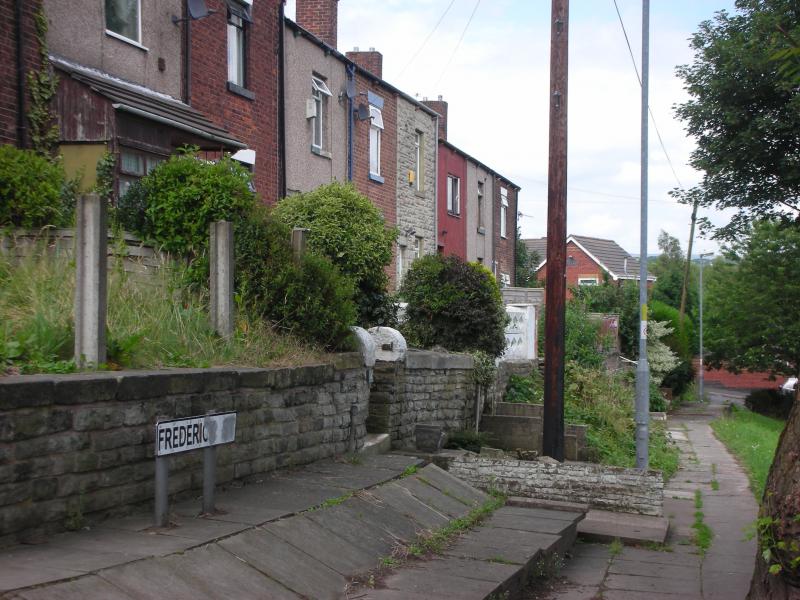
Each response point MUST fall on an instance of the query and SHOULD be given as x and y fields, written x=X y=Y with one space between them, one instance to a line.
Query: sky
x=494 y=73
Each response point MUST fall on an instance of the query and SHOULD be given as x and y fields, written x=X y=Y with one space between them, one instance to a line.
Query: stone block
x=429 y=438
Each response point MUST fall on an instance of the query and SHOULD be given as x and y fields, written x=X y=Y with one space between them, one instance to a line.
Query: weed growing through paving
x=615 y=547
x=501 y=561
x=331 y=502
x=657 y=547
x=702 y=532
x=714 y=482
x=409 y=470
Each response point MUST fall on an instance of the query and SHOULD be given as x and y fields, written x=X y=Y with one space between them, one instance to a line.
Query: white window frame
x=453 y=195
x=588 y=281
x=417 y=247
x=319 y=94
x=125 y=38
x=418 y=152
x=503 y=212
x=480 y=207
x=236 y=29
x=375 y=131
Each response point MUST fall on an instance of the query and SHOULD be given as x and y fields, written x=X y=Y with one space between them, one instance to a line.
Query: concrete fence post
x=299 y=240
x=221 y=284
x=91 y=279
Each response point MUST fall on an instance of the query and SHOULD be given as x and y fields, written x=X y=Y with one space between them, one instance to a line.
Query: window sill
x=376 y=178
x=454 y=214
x=127 y=40
x=504 y=237
x=482 y=230
x=420 y=193
x=320 y=152
x=240 y=91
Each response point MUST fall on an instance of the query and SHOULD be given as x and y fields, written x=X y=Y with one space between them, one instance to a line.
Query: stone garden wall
x=599 y=486
x=76 y=446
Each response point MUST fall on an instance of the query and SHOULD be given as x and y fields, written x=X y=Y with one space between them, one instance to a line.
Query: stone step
x=376 y=443
x=604 y=526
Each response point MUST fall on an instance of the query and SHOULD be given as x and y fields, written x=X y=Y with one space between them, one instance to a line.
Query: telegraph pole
x=555 y=300
x=642 y=367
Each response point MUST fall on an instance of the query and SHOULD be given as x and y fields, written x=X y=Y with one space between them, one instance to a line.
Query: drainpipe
x=282 y=102
x=436 y=186
x=187 y=56
x=351 y=71
x=20 y=77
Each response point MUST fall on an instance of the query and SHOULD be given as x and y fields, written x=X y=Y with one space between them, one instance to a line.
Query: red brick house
x=590 y=261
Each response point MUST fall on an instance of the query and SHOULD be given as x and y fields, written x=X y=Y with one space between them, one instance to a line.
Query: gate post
x=221 y=284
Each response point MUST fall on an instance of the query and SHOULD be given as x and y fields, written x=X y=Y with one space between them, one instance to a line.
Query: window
x=481 y=227
x=418 y=154
x=587 y=281
x=124 y=18
x=505 y=279
x=453 y=195
x=320 y=94
x=503 y=212
x=133 y=165
x=238 y=17
x=417 y=247
x=375 y=129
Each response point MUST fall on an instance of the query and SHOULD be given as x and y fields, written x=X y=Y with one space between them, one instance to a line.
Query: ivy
x=104 y=186
x=42 y=85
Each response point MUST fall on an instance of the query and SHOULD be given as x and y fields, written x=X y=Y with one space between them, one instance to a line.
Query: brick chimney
x=371 y=60
x=320 y=17
x=440 y=106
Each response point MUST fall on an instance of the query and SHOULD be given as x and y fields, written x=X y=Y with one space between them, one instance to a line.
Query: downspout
x=351 y=71
x=20 y=77
x=282 y=101
x=436 y=186
x=187 y=56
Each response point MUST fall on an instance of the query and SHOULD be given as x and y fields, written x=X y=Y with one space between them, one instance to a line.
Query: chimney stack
x=370 y=60
x=440 y=106
x=320 y=17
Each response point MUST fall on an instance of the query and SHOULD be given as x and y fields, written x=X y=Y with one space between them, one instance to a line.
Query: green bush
x=34 y=191
x=185 y=195
x=347 y=228
x=657 y=401
x=583 y=342
x=466 y=439
x=525 y=390
x=131 y=208
x=770 y=403
x=312 y=300
x=453 y=304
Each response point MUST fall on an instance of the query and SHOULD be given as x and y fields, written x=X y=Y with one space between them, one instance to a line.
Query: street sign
x=192 y=433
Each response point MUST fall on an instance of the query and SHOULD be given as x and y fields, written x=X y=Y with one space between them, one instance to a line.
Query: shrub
x=582 y=340
x=347 y=228
x=453 y=304
x=466 y=439
x=32 y=189
x=526 y=390
x=312 y=300
x=131 y=207
x=185 y=195
x=770 y=403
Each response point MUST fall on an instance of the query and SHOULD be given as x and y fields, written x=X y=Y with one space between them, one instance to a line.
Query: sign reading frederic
x=191 y=433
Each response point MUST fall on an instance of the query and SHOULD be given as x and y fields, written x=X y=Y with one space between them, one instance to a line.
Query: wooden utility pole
x=556 y=292
x=686 y=270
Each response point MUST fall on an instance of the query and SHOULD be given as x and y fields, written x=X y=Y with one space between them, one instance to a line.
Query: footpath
x=679 y=570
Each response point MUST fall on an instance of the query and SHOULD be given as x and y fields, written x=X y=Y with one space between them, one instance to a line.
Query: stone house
x=590 y=261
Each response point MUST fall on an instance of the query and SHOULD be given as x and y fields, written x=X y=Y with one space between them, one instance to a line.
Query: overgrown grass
x=153 y=321
x=702 y=532
x=753 y=438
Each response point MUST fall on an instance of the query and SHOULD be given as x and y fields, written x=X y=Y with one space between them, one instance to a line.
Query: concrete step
x=604 y=526
x=376 y=443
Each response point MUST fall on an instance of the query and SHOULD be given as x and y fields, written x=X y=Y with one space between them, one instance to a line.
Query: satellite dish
x=362 y=113
x=197 y=9
x=350 y=89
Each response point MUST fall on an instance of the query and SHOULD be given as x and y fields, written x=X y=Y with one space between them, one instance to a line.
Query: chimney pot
x=440 y=97
x=372 y=48
x=355 y=48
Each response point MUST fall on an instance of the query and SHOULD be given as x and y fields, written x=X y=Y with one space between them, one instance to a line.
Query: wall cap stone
x=425 y=359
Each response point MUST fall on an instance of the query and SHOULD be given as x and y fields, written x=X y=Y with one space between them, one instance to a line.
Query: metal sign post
x=191 y=433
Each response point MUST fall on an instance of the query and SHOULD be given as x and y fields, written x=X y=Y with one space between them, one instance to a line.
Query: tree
x=669 y=270
x=526 y=263
x=621 y=299
x=744 y=112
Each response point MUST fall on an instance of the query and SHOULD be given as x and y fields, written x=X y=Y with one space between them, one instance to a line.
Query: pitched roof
x=606 y=253
x=147 y=103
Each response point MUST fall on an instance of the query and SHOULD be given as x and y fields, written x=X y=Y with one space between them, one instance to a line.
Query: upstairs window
x=418 y=150
x=319 y=96
x=375 y=130
x=503 y=212
x=124 y=19
x=238 y=18
x=453 y=195
x=481 y=226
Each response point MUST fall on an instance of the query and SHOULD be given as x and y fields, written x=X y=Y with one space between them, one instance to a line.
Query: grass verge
x=753 y=439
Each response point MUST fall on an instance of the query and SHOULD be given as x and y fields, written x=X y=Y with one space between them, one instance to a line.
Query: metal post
x=701 y=374
x=209 y=478
x=642 y=366
x=221 y=284
x=299 y=237
x=162 y=489
x=556 y=291
x=91 y=276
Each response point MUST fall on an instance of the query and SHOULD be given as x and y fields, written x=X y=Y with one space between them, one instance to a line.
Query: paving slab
x=505 y=520
x=605 y=526
x=403 y=501
x=344 y=524
x=433 y=582
x=85 y=588
x=587 y=571
x=452 y=486
x=431 y=496
x=638 y=583
x=502 y=546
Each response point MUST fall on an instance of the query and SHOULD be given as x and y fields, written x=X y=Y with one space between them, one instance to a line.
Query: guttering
x=351 y=73
x=281 y=104
x=20 y=76
x=178 y=125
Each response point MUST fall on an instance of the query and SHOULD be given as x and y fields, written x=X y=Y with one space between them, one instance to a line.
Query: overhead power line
x=649 y=110
x=463 y=33
x=427 y=39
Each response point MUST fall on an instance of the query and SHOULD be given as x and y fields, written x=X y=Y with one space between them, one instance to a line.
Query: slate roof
x=147 y=103
x=606 y=253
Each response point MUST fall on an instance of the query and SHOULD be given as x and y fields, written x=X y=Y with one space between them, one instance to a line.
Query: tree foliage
x=32 y=189
x=608 y=297
x=526 y=263
x=744 y=112
x=454 y=304
x=669 y=268
x=753 y=302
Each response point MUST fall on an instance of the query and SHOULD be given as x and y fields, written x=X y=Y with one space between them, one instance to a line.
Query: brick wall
x=427 y=388
x=382 y=195
x=599 y=486
x=505 y=248
x=320 y=17
x=8 y=65
x=452 y=234
x=85 y=442
x=370 y=60
x=253 y=121
x=583 y=267
x=440 y=106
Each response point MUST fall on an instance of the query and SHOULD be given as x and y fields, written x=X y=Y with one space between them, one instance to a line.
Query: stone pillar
x=91 y=277
x=299 y=240
x=221 y=284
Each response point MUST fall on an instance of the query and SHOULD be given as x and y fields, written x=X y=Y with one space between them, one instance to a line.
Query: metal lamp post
x=702 y=261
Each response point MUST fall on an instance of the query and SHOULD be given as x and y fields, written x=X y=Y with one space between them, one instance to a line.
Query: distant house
x=589 y=261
